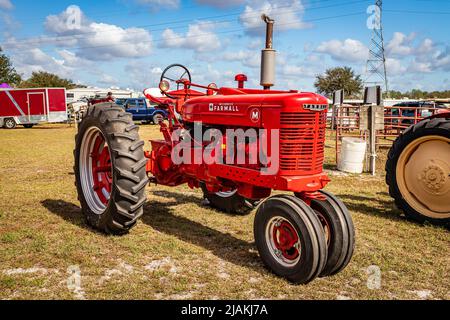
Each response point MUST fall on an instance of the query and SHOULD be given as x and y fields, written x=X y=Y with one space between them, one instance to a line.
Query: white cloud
x=157 y=4
x=72 y=60
x=141 y=74
x=420 y=67
x=297 y=71
x=426 y=47
x=247 y=58
x=200 y=37
x=221 y=3
x=255 y=44
x=349 y=50
x=108 y=80
x=422 y=57
x=97 y=41
x=395 y=67
x=210 y=74
x=288 y=14
x=35 y=59
x=6 y=5
x=442 y=59
x=400 y=44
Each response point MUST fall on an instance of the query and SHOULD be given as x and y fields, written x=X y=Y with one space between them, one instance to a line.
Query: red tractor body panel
x=298 y=118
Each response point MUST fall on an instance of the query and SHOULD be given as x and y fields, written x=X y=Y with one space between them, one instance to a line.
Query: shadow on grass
x=329 y=166
x=161 y=216
x=66 y=210
x=43 y=127
x=383 y=208
x=199 y=201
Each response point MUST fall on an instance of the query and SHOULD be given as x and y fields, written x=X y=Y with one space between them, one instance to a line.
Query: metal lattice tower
x=376 y=64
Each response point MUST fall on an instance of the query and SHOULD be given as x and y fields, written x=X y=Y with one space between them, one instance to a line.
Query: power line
x=31 y=41
x=417 y=12
x=199 y=36
x=103 y=14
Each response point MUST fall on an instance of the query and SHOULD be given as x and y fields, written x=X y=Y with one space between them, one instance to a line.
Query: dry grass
x=181 y=249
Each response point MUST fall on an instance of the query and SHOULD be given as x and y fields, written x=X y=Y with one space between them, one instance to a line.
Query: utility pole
x=376 y=73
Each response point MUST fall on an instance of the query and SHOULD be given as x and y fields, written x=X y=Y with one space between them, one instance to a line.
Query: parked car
x=142 y=110
x=426 y=110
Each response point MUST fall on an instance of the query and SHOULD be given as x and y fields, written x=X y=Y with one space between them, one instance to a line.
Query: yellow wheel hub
x=423 y=176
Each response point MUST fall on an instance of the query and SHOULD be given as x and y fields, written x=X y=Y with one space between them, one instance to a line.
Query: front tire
x=290 y=239
x=339 y=232
x=417 y=171
x=110 y=169
x=28 y=126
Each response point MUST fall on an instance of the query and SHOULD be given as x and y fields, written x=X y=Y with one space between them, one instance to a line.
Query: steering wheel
x=174 y=73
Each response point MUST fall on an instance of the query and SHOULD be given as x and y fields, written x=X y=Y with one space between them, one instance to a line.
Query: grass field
x=182 y=249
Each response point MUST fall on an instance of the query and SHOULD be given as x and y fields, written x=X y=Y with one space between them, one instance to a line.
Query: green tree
x=42 y=79
x=395 y=94
x=7 y=72
x=338 y=79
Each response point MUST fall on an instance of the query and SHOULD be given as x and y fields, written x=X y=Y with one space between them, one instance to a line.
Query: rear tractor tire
x=418 y=171
x=290 y=239
x=229 y=202
x=110 y=169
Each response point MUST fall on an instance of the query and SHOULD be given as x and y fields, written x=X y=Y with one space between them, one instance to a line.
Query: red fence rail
x=346 y=123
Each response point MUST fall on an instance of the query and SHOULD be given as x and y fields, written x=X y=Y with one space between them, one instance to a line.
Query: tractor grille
x=302 y=140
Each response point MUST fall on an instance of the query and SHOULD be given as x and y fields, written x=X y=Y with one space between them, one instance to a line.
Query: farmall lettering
x=223 y=107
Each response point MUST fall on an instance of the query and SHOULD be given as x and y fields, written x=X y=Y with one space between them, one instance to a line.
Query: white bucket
x=353 y=152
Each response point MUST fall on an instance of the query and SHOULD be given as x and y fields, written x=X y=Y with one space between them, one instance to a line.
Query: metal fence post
x=373 y=98
x=372 y=135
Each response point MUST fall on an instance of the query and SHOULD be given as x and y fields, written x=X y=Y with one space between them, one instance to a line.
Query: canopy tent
x=4 y=85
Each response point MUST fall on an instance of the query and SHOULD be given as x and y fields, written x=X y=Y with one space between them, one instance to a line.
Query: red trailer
x=29 y=107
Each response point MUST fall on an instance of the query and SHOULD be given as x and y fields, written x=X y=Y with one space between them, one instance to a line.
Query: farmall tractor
x=299 y=236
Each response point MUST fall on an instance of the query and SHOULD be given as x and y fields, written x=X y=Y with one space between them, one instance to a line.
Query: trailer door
x=36 y=104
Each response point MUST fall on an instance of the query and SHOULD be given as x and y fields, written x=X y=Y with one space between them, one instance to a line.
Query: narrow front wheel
x=339 y=232
x=290 y=239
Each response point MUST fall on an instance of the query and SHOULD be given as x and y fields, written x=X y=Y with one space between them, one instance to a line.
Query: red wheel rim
x=283 y=241
x=101 y=169
x=95 y=170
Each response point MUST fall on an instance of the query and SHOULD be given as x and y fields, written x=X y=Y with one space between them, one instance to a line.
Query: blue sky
x=127 y=43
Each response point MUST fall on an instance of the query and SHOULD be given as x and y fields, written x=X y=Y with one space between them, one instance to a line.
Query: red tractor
x=206 y=144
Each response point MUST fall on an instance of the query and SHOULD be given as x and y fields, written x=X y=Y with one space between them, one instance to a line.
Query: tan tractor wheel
x=418 y=171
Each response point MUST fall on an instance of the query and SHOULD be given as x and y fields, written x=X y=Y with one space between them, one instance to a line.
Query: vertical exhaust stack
x=268 y=56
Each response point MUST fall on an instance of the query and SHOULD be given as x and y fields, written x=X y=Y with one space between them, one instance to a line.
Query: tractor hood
x=250 y=108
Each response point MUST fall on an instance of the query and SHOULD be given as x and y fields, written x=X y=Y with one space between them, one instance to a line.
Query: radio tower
x=376 y=64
